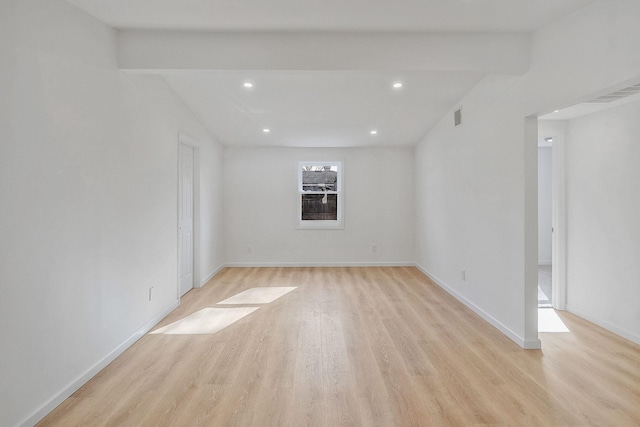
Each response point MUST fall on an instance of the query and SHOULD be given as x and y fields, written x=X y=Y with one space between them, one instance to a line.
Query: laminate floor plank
x=359 y=346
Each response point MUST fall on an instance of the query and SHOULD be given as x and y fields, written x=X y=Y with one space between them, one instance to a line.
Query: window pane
x=319 y=207
x=319 y=178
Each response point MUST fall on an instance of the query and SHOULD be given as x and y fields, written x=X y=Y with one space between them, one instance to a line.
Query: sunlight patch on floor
x=262 y=295
x=549 y=321
x=206 y=321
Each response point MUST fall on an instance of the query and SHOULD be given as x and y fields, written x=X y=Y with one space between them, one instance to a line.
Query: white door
x=185 y=219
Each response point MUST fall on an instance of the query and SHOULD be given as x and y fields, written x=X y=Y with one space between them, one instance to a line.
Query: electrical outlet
x=248 y=249
x=150 y=293
x=374 y=248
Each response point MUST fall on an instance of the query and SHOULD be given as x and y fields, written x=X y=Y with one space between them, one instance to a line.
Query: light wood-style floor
x=362 y=347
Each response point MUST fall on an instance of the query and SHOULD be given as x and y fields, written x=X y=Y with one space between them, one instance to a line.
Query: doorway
x=545 y=227
x=552 y=227
x=188 y=215
x=185 y=218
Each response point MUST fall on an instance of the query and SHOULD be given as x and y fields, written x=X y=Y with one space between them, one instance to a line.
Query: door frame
x=557 y=130
x=190 y=142
x=559 y=221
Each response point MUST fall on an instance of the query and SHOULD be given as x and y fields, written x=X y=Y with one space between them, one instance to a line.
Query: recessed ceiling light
x=556 y=111
x=248 y=85
x=397 y=85
x=265 y=130
x=374 y=132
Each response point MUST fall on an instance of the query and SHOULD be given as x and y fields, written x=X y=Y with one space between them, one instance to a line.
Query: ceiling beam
x=156 y=51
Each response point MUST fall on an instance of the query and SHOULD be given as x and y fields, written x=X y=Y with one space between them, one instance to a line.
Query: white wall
x=603 y=208
x=211 y=212
x=476 y=189
x=470 y=206
x=544 y=205
x=260 y=203
x=88 y=183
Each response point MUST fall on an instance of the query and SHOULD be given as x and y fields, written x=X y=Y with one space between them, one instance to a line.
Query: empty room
x=320 y=213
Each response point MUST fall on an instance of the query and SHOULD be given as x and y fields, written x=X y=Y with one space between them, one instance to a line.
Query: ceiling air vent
x=622 y=93
x=457 y=117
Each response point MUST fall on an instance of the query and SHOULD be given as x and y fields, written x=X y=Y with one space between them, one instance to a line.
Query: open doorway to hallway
x=594 y=209
x=545 y=227
x=552 y=226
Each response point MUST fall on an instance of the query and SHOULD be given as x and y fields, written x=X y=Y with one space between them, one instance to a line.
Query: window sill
x=323 y=225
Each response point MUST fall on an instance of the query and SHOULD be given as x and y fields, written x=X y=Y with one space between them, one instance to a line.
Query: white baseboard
x=320 y=264
x=82 y=379
x=526 y=344
x=211 y=275
x=531 y=344
x=631 y=336
x=74 y=385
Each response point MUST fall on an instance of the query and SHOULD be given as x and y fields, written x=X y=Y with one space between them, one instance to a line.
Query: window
x=320 y=201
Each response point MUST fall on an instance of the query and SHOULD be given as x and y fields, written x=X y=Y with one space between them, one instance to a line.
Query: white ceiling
x=320 y=108
x=312 y=107
x=586 y=108
x=331 y=15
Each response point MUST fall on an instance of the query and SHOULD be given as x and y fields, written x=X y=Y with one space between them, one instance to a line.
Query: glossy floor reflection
x=544 y=286
x=262 y=295
x=549 y=321
x=381 y=346
x=206 y=321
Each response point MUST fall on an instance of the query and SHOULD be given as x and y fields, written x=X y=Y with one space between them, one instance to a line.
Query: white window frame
x=336 y=224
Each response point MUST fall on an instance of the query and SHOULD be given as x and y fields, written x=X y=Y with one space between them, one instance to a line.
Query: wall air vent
x=457 y=117
x=622 y=93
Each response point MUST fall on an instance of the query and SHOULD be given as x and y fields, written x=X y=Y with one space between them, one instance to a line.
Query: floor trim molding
x=78 y=382
x=635 y=338
x=211 y=275
x=526 y=344
x=83 y=378
x=320 y=264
